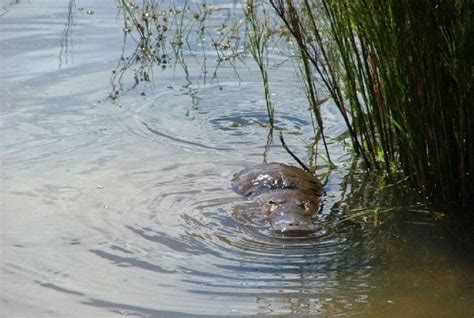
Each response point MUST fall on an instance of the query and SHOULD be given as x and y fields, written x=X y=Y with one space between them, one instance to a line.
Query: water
x=126 y=208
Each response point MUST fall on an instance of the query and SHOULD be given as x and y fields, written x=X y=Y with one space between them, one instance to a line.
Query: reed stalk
x=258 y=35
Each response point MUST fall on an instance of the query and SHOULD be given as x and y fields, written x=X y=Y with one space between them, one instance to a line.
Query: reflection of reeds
x=401 y=74
x=66 y=38
x=367 y=199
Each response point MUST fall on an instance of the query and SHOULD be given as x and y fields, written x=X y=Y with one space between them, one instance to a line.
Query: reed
x=401 y=73
x=162 y=34
x=258 y=35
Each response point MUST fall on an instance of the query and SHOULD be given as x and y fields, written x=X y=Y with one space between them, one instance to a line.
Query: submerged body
x=288 y=195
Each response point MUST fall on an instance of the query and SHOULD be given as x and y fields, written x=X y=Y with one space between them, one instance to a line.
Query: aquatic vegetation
x=158 y=34
x=401 y=74
x=147 y=26
x=259 y=35
x=370 y=200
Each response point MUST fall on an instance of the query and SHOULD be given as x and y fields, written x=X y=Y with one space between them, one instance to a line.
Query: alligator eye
x=271 y=202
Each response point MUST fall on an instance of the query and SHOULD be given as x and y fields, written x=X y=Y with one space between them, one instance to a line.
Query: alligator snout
x=288 y=196
x=288 y=220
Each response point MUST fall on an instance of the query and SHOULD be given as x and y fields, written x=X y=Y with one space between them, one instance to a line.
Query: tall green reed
x=401 y=73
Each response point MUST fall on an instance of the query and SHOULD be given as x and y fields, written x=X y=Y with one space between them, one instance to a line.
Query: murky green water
x=126 y=207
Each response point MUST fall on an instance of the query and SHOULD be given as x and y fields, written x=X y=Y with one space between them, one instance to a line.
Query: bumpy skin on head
x=261 y=178
x=288 y=195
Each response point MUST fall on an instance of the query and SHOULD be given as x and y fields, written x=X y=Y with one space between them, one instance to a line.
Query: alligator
x=288 y=196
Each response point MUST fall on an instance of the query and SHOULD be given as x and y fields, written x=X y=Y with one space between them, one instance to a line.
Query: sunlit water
x=126 y=207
